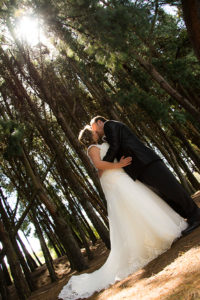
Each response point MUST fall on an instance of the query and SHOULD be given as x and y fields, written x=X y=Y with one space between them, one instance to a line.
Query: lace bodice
x=103 y=149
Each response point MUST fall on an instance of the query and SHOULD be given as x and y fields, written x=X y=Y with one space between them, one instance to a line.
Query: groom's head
x=97 y=124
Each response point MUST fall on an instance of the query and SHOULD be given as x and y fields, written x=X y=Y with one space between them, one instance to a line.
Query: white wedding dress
x=142 y=226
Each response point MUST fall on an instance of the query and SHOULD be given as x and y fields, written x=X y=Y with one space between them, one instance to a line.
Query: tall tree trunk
x=51 y=231
x=3 y=285
x=45 y=250
x=62 y=229
x=191 y=13
x=23 y=263
x=168 y=88
x=36 y=257
x=189 y=149
x=9 y=224
x=6 y=273
x=82 y=234
x=30 y=261
x=18 y=277
x=49 y=235
x=87 y=226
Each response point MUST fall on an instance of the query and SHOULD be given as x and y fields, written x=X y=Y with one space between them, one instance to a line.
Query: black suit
x=148 y=167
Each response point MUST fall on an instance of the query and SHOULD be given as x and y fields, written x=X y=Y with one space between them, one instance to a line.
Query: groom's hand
x=125 y=161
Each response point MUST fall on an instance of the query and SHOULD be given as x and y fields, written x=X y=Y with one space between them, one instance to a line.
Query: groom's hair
x=97 y=118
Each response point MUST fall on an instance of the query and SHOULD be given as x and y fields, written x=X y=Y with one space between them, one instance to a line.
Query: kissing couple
x=148 y=209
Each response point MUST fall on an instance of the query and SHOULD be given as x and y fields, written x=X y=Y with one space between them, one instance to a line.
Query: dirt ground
x=174 y=275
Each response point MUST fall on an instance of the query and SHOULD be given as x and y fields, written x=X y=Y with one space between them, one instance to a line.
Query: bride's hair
x=85 y=136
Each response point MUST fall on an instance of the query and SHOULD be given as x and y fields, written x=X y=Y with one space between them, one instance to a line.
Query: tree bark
x=191 y=13
x=22 y=288
x=36 y=257
x=3 y=285
x=30 y=261
x=6 y=273
x=168 y=88
x=62 y=229
x=45 y=250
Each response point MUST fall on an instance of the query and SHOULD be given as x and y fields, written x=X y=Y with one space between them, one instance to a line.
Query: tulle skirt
x=142 y=226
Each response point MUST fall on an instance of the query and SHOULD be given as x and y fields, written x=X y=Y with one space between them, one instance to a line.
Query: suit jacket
x=122 y=141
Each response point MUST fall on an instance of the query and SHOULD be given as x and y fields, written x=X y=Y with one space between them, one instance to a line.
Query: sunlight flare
x=29 y=30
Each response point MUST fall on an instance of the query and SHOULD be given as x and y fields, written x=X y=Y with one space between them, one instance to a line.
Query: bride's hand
x=125 y=161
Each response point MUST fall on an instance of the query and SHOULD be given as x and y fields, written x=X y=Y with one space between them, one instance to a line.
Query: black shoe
x=191 y=227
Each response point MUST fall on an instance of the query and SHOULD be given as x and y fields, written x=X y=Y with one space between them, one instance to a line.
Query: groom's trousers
x=164 y=183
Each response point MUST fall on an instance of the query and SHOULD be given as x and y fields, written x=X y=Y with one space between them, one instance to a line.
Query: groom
x=147 y=167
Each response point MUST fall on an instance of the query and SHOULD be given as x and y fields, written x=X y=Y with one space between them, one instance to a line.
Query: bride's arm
x=94 y=154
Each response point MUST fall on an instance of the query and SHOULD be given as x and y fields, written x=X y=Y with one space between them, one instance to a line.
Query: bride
x=142 y=225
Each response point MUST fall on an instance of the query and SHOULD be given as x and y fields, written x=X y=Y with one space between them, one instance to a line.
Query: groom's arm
x=112 y=133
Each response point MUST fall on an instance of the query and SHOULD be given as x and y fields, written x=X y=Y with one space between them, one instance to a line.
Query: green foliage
x=148 y=102
x=13 y=132
x=180 y=117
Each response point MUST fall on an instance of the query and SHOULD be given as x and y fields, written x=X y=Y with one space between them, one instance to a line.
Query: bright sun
x=29 y=30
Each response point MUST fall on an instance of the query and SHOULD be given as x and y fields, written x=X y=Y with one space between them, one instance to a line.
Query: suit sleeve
x=112 y=133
